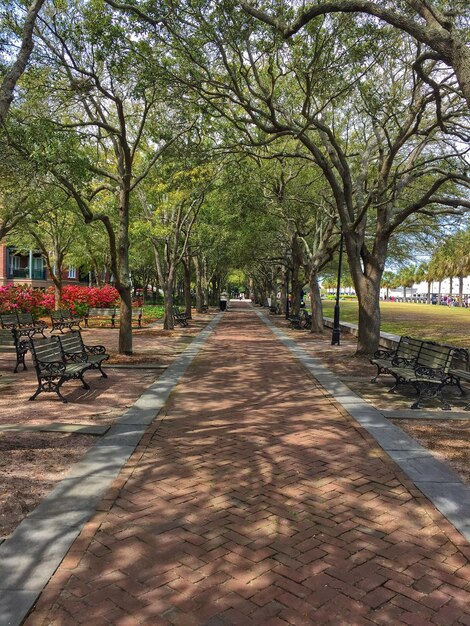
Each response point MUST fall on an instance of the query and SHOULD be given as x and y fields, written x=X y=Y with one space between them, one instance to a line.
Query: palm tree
x=456 y=251
x=422 y=274
x=438 y=269
x=389 y=280
x=406 y=278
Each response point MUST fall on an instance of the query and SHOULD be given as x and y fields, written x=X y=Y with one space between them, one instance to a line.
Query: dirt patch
x=31 y=464
x=447 y=440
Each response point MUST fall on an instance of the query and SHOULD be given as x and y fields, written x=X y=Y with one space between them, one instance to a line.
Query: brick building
x=29 y=269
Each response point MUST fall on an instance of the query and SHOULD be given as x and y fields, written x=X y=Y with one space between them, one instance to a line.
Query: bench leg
x=395 y=386
x=20 y=361
x=379 y=371
x=429 y=390
x=85 y=385
x=462 y=392
x=103 y=373
x=50 y=386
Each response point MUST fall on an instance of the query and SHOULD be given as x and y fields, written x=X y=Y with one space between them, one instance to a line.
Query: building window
x=72 y=272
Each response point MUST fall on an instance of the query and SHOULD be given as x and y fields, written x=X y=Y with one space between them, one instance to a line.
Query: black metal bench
x=112 y=315
x=63 y=318
x=408 y=348
x=307 y=319
x=180 y=317
x=101 y=313
x=428 y=372
x=12 y=343
x=295 y=322
x=23 y=322
x=53 y=369
x=26 y=320
x=75 y=351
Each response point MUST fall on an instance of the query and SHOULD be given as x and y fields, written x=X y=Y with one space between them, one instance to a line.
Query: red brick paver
x=256 y=501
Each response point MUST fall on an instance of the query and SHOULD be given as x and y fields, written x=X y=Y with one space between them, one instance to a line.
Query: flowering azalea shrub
x=79 y=299
x=27 y=299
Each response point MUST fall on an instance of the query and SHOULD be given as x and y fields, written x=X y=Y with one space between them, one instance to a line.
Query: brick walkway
x=256 y=501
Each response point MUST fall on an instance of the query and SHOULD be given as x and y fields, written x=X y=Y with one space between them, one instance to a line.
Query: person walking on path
x=256 y=500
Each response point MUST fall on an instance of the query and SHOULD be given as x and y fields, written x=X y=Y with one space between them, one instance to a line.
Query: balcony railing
x=23 y=272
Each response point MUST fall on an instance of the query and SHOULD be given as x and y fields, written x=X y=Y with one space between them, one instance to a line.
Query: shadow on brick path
x=256 y=501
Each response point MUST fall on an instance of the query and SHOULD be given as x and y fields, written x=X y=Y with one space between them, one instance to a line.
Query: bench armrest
x=76 y=357
x=384 y=354
x=430 y=372
x=402 y=361
x=52 y=368
x=95 y=349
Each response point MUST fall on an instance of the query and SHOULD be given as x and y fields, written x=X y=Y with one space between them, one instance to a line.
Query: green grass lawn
x=153 y=312
x=425 y=321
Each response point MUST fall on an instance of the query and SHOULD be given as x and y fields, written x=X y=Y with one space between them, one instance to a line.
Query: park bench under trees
x=408 y=348
x=75 y=351
x=299 y=322
x=63 y=318
x=180 y=317
x=423 y=364
x=11 y=342
x=23 y=322
x=112 y=315
x=53 y=368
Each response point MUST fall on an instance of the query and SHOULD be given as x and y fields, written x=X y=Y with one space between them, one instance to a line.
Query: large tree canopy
x=443 y=28
x=13 y=72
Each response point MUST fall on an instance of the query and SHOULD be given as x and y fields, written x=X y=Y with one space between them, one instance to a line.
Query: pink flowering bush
x=79 y=299
x=26 y=299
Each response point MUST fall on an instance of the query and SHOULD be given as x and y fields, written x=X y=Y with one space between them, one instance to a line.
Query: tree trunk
x=199 y=290
x=12 y=76
x=296 y=284
x=283 y=300
x=187 y=286
x=369 y=316
x=316 y=303
x=123 y=280
x=429 y=292
x=57 y=296
x=461 y=290
x=125 y=322
x=168 y=321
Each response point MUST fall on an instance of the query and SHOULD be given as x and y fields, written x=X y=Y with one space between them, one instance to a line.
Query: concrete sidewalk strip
x=53 y=427
x=420 y=466
x=32 y=553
